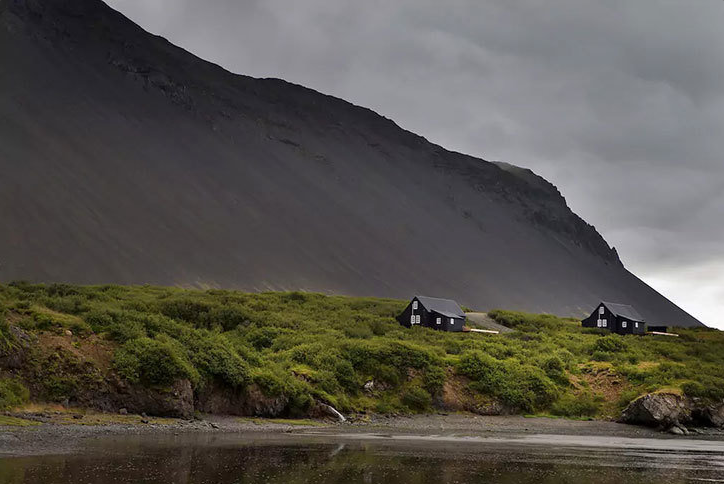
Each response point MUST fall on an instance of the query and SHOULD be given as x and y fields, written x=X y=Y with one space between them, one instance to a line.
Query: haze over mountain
x=126 y=159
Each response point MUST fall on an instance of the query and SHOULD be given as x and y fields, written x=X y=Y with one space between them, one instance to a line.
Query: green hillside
x=277 y=354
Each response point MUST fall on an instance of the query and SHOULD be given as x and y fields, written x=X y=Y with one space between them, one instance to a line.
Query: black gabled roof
x=624 y=310
x=446 y=307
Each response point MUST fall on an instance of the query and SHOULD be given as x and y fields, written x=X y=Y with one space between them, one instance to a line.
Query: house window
x=414 y=304
x=600 y=310
x=452 y=321
x=624 y=324
x=439 y=321
x=599 y=323
x=604 y=323
x=636 y=325
x=418 y=319
x=412 y=319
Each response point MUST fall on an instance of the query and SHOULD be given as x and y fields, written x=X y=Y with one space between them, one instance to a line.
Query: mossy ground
x=309 y=347
x=7 y=420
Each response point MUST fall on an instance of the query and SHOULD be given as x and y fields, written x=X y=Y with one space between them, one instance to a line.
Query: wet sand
x=348 y=454
x=55 y=438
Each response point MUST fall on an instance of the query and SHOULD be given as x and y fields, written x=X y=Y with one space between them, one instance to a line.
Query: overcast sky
x=618 y=103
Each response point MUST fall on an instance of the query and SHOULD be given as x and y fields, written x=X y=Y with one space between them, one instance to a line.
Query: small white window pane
x=624 y=324
x=636 y=325
x=414 y=304
x=452 y=321
x=439 y=321
x=412 y=319
x=598 y=323
x=600 y=310
x=604 y=323
x=418 y=319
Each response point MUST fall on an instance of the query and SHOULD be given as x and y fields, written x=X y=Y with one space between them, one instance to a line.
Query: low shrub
x=611 y=343
x=274 y=382
x=153 y=361
x=518 y=385
x=434 y=379
x=709 y=388
x=12 y=393
x=555 y=369
x=581 y=405
x=214 y=357
x=7 y=340
x=416 y=398
x=263 y=337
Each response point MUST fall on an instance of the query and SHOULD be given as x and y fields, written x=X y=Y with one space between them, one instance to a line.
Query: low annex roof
x=624 y=311
x=446 y=307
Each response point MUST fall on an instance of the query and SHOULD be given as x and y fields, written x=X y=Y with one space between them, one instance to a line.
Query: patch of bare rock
x=676 y=414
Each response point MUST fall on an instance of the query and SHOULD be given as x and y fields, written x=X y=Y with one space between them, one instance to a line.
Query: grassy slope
x=312 y=347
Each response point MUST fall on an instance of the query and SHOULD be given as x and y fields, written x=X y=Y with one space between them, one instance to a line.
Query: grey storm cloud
x=618 y=103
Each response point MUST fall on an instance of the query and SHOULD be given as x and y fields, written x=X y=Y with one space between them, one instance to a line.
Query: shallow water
x=374 y=458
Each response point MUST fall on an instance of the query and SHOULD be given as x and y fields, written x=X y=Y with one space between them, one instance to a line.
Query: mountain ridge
x=269 y=148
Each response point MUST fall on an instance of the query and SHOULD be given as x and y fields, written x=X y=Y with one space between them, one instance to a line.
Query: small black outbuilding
x=617 y=318
x=433 y=312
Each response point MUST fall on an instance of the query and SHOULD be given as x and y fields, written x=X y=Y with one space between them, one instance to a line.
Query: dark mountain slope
x=126 y=159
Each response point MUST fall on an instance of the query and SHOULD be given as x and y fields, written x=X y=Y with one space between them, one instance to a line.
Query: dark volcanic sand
x=65 y=438
x=431 y=449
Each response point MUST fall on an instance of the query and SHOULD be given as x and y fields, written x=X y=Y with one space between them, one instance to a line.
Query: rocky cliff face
x=126 y=159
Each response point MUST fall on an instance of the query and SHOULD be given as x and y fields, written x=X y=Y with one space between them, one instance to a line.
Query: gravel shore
x=53 y=437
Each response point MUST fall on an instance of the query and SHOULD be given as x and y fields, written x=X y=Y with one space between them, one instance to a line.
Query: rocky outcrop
x=250 y=401
x=670 y=411
x=14 y=355
x=457 y=397
x=176 y=401
x=710 y=415
x=327 y=411
x=658 y=409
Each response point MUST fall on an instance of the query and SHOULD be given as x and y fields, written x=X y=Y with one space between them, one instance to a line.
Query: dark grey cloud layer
x=619 y=103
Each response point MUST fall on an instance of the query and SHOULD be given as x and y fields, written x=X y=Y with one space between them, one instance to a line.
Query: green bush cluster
x=519 y=385
x=158 y=361
x=581 y=405
x=12 y=393
x=6 y=337
x=416 y=398
x=303 y=347
x=709 y=388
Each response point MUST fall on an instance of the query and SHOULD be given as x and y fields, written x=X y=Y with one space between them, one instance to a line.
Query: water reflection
x=294 y=459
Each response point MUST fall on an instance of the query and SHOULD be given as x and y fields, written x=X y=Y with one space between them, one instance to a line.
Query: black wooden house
x=432 y=312
x=617 y=318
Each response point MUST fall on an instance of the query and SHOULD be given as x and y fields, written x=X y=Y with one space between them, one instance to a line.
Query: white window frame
x=452 y=320
x=604 y=323
x=418 y=319
x=636 y=325
x=624 y=324
x=601 y=310
x=412 y=319
x=599 y=323
x=414 y=305
x=438 y=320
